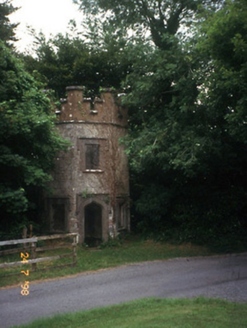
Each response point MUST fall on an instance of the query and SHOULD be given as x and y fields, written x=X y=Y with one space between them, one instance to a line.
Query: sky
x=50 y=16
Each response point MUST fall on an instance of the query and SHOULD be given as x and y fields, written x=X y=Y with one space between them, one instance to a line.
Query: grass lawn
x=154 y=313
x=131 y=250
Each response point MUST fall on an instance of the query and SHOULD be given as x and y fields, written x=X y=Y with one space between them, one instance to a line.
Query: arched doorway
x=93 y=224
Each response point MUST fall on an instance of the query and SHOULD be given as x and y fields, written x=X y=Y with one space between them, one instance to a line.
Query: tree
x=187 y=138
x=225 y=44
x=163 y=136
x=69 y=60
x=158 y=17
x=223 y=99
x=28 y=142
x=7 y=33
x=55 y=61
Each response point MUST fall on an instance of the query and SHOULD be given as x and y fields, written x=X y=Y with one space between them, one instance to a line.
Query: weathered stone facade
x=91 y=182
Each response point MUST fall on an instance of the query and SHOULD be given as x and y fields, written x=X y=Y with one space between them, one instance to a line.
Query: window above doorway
x=92 y=154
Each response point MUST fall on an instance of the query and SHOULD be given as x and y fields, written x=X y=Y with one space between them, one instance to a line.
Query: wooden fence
x=30 y=244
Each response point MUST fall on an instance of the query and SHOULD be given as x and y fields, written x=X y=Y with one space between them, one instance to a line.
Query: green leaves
x=98 y=59
x=156 y=18
x=12 y=201
x=226 y=44
x=7 y=32
x=187 y=106
x=28 y=141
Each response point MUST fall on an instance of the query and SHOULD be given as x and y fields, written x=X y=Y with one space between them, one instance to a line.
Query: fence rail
x=32 y=245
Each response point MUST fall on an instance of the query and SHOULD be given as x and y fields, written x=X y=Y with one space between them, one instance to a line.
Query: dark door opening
x=93 y=224
x=57 y=213
x=58 y=217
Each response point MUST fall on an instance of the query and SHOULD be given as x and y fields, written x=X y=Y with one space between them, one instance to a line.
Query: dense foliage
x=96 y=60
x=187 y=98
x=183 y=67
x=7 y=30
x=28 y=143
x=159 y=18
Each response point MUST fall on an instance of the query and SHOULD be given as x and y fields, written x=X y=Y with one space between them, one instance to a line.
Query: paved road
x=221 y=276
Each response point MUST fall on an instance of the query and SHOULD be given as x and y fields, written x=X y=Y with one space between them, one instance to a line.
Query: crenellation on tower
x=91 y=180
x=105 y=109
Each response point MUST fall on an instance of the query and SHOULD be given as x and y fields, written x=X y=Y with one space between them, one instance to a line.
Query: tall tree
x=224 y=101
x=95 y=61
x=158 y=17
x=7 y=30
x=28 y=142
x=224 y=41
x=187 y=118
x=188 y=139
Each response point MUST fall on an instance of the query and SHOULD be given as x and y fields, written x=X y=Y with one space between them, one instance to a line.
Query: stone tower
x=90 y=181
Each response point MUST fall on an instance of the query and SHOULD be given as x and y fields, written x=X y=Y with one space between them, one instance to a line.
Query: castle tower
x=90 y=181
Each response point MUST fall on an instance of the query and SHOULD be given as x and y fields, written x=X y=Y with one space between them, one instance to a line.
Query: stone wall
x=91 y=181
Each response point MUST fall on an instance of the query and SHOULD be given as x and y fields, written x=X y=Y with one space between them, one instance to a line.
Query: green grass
x=131 y=250
x=154 y=313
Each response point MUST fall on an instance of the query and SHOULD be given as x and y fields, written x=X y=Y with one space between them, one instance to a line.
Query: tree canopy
x=158 y=17
x=7 y=30
x=187 y=141
x=182 y=65
x=187 y=102
x=97 y=60
x=28 y=141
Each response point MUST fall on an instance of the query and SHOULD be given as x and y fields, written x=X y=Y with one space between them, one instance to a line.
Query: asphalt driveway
x=218 y=277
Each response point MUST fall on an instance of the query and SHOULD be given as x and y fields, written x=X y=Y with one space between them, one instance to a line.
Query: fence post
x=31 y=231
x=32 y=247
x=24 y=235
x=74 y=250
x=33 y=255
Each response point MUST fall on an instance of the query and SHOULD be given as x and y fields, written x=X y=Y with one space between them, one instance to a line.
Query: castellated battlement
x=91 y=179
x=76 y=108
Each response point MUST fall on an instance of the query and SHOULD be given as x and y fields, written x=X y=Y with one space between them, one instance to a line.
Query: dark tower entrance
x=93 y=224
